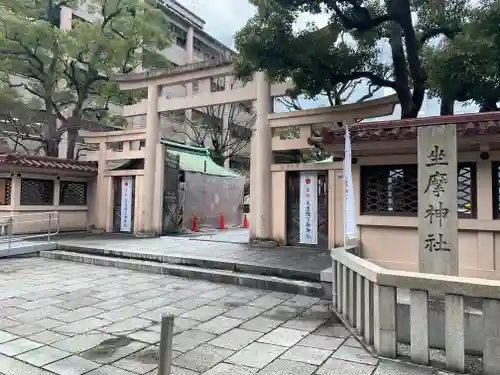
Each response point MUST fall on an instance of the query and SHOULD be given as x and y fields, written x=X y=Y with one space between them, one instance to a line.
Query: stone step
x=307 y=288
x=203 y=262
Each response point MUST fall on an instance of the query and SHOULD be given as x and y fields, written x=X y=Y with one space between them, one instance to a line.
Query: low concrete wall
x=473 y=324
x=474 y=331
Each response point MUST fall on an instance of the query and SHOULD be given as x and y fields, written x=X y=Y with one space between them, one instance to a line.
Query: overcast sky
x=225 y=17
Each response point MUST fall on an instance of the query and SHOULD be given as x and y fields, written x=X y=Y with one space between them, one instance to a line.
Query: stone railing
x=365 y=296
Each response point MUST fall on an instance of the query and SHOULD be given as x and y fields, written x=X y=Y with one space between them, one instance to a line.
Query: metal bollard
x=166 y=338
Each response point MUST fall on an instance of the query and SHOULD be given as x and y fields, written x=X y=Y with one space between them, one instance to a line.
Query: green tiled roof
x=197 y=159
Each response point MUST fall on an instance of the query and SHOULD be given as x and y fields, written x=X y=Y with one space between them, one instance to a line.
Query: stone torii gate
x=259 y=91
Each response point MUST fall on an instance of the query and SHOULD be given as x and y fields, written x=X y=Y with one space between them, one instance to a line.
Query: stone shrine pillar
x=152 y=139
x=437 y=200
x=260 y=163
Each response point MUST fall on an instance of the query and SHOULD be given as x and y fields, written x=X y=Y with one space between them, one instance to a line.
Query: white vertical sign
x=308 y=208
x=126 y=205
x=350 y=227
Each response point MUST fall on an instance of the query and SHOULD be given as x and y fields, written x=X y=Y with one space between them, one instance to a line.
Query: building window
x=393 y=190
x=37 y=192
x=73 y=193
x=5 y=191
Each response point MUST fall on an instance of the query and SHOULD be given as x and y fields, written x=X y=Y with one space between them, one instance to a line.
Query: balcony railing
x=364 y=295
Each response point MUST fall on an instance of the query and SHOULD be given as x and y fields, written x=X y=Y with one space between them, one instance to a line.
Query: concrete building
x=190 y=44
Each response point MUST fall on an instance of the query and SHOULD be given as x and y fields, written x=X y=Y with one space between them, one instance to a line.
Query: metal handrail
x=7 y=226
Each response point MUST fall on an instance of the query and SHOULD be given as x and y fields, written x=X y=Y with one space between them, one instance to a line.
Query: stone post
x=152 y=139
x=437 y=198
x=261 y=158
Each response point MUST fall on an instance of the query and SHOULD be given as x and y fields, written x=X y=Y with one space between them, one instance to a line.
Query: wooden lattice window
x=393 y=190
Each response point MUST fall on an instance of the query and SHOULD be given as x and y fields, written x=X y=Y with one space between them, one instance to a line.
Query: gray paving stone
x=353 y=354
x=150 y=337
x=284 y=313
x=153 y=303
x=36 y=304
x=338 y=367
x=182 y=324
x=256 y=355
x=219 y=325
x=112 y=350
x=399 y=368
x=43 y=356
x=82 y=342
x=121 y=313
x=18 y=346
x=351 y=341
x=245 y=312
x=190 y=303
x=178 y=371
x=190 y=339
x=283 y=337
x=156 y=314
x=236 y=339
x=283 y=367
x=11 y=311
x=266 y=302
x=78 y=314
x=73 y=365
x=48 y=323
x=38 y=314
x=115 y=303
x=12 y=302
x=11 y=366
x=81 y=326
x=322 y=342
x=203 y=313
x=334 y=330
x=141 y=362
x=24 y=329
x=109 y=370
x=202 y=358
x=261 y=324
x=126 y=326
x=230 y=369
x=313 y=356
x=304 y=323
x=73 y=304
x=302 y=301
x=6 y=336
x=6 y=322
x=46 y=337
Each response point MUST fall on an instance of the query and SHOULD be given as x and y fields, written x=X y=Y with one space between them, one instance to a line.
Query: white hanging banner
x=126 y=205
x=308 y=208
x=350 y=226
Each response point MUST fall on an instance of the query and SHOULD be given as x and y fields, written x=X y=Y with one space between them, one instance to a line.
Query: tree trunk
x=52 y=147
x=71 y=143
x=489 y=105
x=447 y=107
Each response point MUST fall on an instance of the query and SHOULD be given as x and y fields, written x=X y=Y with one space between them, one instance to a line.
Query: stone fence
x=366 y=297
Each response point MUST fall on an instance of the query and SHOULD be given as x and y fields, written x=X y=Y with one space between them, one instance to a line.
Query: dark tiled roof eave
x=467 y=125
x=48 y=163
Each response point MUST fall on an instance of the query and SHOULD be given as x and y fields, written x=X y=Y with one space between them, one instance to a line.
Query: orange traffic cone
x=195 y=224
x=222 y=224
x=245 y=221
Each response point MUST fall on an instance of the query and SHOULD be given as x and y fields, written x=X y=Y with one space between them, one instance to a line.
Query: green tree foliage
x=349 y=47
x=65 y=72
x=467 y=68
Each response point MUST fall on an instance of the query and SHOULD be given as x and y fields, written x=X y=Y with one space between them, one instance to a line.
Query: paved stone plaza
x=71 y=319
